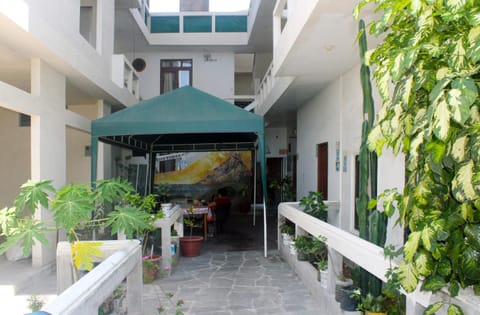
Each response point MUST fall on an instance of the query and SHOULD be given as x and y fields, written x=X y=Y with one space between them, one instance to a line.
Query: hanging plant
x=427 y=70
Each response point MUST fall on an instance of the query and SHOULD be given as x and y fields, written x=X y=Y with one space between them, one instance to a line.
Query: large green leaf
x=25 y=234
x=32 y=194
x=462 y=183
x=472 y=234
x=457 y=58
x=453 y=288
x=128 y=220
x=470 y=262
x=444 y=268
x=73 y=204
x=441 y=120
x=438 y=90
x=424 y=263
x=433 y=308
x=433 y=283
x=428 y=238
x=8 y=220
x=459 y=108
x=459 y=149
x=112 y=190
x=407 y=276
x=411 y=245
x=473 y=51
x=468 y=89
x=437 y=150
x=454 y=310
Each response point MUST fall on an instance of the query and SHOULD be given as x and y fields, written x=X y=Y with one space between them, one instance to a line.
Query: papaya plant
x=75 y=208
x=427 y=70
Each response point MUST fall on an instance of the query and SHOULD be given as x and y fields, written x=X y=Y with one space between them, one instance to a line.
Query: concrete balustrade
x=121 y=260
x=363 y=253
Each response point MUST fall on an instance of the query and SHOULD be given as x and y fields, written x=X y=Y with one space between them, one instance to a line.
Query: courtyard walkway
x=230 y=283
x=231 y=277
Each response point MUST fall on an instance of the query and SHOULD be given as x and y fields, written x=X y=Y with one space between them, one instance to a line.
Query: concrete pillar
x=48 y=147
x=104 y=161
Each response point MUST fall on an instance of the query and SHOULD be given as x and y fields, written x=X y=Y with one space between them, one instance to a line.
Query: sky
x=215 y=5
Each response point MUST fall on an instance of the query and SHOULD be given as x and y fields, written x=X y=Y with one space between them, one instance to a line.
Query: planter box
x=309 y=276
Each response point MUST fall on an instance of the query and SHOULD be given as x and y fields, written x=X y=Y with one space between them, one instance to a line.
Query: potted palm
x=190 y=245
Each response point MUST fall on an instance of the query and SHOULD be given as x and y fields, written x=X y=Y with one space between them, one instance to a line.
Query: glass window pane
x=184 y=78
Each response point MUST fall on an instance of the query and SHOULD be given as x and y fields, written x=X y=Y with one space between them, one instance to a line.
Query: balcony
x=192 y=28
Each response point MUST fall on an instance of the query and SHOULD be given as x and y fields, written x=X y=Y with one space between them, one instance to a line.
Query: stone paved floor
x=230 y=283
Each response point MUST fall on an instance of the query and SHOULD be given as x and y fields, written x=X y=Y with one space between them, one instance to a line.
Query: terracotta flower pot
x=190 y=245
x=150 y=267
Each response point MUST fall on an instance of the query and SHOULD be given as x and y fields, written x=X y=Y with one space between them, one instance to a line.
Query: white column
x=48 y=144
x=104 y=160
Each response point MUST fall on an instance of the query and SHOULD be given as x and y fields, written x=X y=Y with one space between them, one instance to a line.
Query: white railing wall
x=366 y=255
x=270 y=89
x=121 y=260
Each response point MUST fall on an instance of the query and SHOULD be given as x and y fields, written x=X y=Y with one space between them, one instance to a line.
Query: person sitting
x=221 y=208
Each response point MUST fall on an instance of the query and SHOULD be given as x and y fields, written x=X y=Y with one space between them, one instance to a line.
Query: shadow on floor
x=241 y=235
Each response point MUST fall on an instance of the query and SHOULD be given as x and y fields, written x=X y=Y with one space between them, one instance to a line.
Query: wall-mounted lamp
x=208 y=57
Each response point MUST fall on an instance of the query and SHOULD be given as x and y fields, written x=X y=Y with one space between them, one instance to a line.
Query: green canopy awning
x=185 y=119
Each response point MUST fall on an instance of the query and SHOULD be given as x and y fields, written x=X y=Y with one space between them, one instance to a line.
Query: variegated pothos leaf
x=462 y=185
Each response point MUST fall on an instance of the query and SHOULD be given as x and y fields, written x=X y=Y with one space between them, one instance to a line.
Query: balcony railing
x=196 y=28
x=365 y=254
x=124 y=75
x=122 y=260
x=270 y=89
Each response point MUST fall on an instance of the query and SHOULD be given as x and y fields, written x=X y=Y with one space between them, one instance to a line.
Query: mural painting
x=200 y=175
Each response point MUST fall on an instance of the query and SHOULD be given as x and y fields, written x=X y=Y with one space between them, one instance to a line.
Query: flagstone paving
x=230 y=283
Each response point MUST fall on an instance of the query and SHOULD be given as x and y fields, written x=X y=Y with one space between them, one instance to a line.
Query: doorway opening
x=322 y=169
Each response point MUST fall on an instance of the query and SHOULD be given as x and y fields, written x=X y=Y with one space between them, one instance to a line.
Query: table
x=200 y=210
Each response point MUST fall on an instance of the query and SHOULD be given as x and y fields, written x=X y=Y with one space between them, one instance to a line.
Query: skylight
x=215 y=5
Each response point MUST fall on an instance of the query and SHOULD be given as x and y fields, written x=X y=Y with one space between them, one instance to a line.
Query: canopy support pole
x=261 y=152
x=254 y=185
x=93 y=160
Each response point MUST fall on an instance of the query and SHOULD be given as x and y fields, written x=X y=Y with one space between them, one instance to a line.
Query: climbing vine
x=427 y=70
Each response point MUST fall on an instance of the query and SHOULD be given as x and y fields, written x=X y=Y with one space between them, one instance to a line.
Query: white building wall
x=215 y=77
x=14 y=156
x=335 y=114
x=318 y=121
x=276 y=140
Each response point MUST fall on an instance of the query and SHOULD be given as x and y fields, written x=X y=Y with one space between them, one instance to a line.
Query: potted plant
x=373 y=305
x=190 y=245
x=303 y=245
x=75 y=208
x=151 y=261
x=313 y=205
x=322 y=267
x=150 y=267
x=340 y=282
x=287 y=231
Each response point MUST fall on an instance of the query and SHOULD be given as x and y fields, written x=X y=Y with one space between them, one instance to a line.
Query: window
x=175 y=73
x=23 y=120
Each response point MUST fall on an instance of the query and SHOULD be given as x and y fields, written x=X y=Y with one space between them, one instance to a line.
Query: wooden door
x=322 y=169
